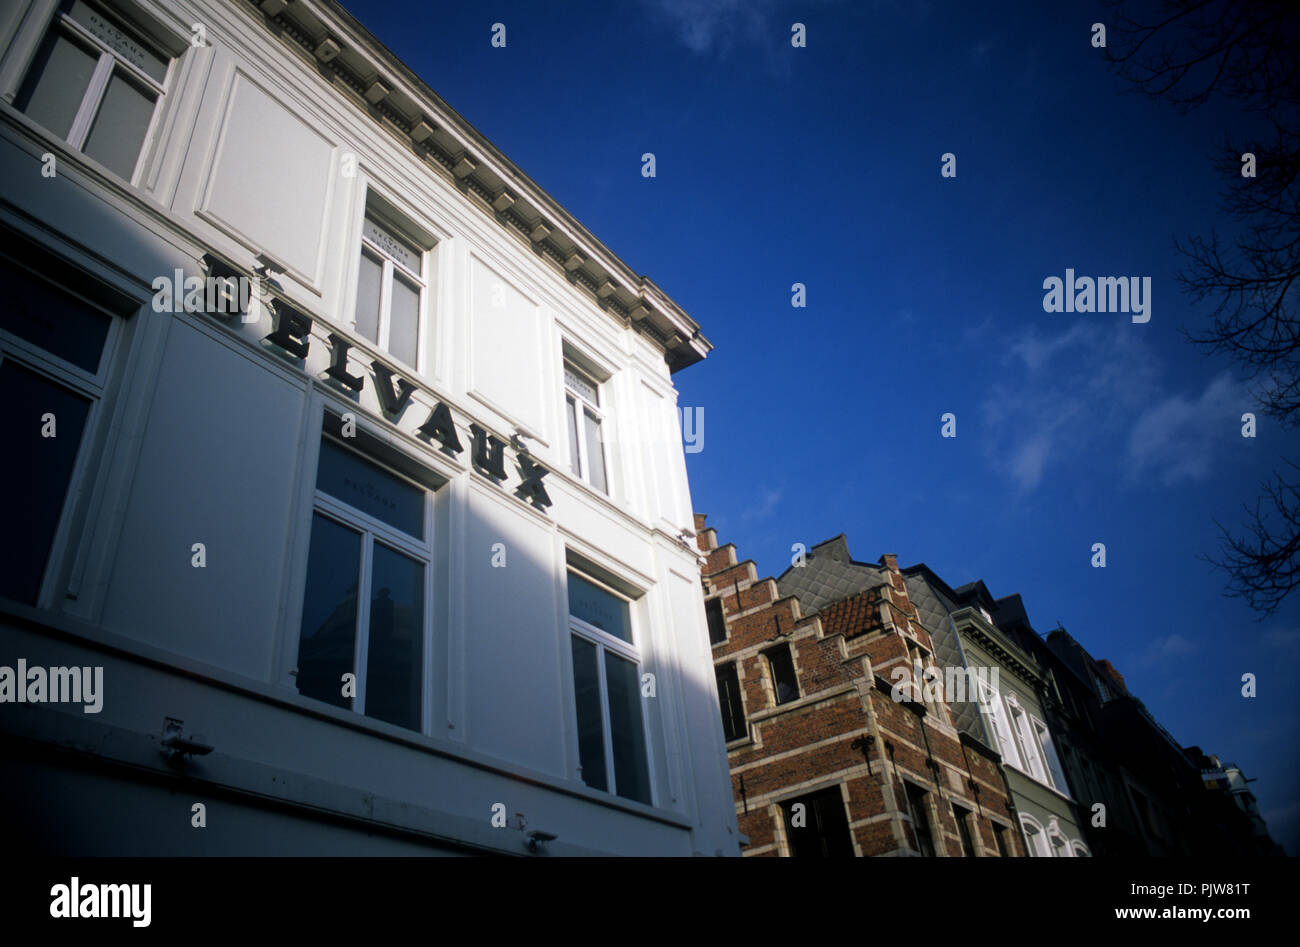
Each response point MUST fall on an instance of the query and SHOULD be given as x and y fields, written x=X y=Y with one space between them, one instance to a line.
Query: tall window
x=963 y=818
x=1000 y=839
x=1054 y=768
x=390 y=290
x=1028 y=741
x=607 y=691
x=365 y=614
x=733 y=708
x=817 y=825
x=780 y=664
x=582 y=410
x=717 y=621
x=51 y=378
x=96 y=84
x=991 y=707
x=918 y=808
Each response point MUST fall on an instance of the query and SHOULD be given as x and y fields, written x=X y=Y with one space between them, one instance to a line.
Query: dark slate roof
x=828 y=575
x=933 y=608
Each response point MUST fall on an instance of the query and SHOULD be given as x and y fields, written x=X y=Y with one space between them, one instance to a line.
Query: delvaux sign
x=225 y=292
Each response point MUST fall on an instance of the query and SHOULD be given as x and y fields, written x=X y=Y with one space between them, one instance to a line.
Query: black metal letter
x=440 y=427
x=338 y=369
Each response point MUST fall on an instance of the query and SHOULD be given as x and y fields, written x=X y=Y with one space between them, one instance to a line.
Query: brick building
x=824 y=760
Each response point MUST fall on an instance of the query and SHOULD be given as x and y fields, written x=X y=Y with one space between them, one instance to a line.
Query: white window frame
x=577 y=402
x=109 y=60
x=372 y=529
x=1037 y=845
x=1051 y=760
x=1030 y=752
x=1056 y=839
x=390 y=267
x=991 y=705
x=92 y=387
x=604 y=642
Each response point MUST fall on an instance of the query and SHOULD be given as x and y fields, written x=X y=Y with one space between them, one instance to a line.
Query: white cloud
x=705 y=25
x=1061 y=396
x=766 y=504
x=1092 y=394
x=1175 y=437
x=1164 y=649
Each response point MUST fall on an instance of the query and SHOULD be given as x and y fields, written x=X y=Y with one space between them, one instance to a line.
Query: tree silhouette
x=1188 y=52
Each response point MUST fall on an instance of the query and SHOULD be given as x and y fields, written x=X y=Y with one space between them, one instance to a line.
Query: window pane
x=920 y=810
x=575 y=463
x=56 y=83
x=394 y=246
x=627 y=732
x=597 y=607
x=327 y=647
x=783 y=678
x=371 y=489
x=581 y=384
x=823 y=829
x=44 y=316
x=368 y=283
x=1053 y=761
x=403 y=330
x=962 y=818
x=119 y=127
x=717 y=621
x=733 y=711
x=1000 y=838
x=591 y=731
x=119 y=40
x=394 y=668
x=595 y=452
x=35 y=473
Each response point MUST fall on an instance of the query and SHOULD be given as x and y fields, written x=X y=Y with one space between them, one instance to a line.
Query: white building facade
x=348 y=455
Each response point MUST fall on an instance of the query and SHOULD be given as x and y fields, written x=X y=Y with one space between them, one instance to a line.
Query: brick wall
x=845 y=731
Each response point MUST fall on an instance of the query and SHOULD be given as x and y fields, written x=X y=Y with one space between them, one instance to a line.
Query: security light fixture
x=536 y=837
x=176 y=746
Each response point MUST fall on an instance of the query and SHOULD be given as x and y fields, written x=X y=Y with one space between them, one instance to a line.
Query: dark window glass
x=36 y=473
x=920 y=813
x=820 y=828
x=733 y=712
x=597 y=607
x=963 y=829
x=327 y=648
x=1000 y=837
x=119 y=128
x=783 y=679
x=591 y=733
x=371 y=489
x=717 y=621
x=626 y=731
x=51 y=319
x=57 y=83
x=394 y=668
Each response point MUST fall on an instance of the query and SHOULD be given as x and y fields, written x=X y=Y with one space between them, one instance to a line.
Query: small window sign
x=398 y=250
x=595 y=606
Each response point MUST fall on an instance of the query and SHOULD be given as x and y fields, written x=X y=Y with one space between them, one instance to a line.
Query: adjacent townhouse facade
x=832 y=751
x=1099 y=782
x=352 y=464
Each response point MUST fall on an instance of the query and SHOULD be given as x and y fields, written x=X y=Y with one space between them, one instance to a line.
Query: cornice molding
x=450 y=145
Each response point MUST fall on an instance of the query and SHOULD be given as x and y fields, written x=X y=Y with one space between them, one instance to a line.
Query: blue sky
x=821 y=165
